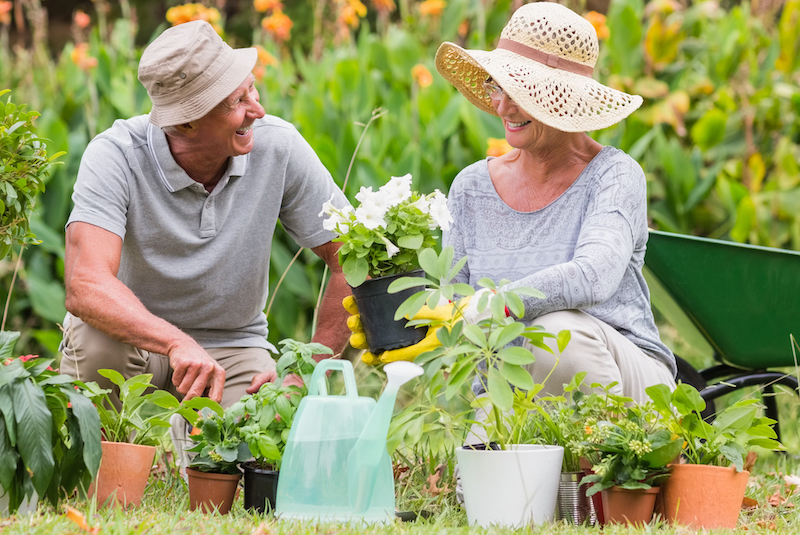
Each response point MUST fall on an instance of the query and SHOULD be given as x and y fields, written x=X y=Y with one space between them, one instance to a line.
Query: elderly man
x=168 y=245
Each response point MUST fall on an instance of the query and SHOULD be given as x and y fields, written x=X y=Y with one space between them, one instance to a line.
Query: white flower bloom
x=438 y=210
x=371 y=216
x=337 y=223
x=397 y=190
x=422 y=204
x=373 y=199
x=391 y=249
x=327 y=207
x=792 y=480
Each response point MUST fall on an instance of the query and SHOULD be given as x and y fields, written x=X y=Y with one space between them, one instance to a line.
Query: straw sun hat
x=544 y=62
x=189 y=69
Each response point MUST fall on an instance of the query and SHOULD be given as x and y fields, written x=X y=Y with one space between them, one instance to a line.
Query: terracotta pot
x=629 y=506
x=702 y=496
x=123 y=473
x=209 y=491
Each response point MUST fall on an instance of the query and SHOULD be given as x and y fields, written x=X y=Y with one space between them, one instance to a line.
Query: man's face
x=227 y=129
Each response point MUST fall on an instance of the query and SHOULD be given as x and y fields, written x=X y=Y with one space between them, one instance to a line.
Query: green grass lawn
x=165 y=510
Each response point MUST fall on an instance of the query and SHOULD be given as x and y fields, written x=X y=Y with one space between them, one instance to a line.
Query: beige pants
x=596 y=348
x=600 y=350
x=85 y=350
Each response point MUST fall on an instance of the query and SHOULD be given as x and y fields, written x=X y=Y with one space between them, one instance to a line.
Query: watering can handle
x=318 y=386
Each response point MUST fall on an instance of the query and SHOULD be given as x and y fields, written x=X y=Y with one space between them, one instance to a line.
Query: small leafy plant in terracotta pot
x=130 y=434
x=214 y=472
x=267 y=418
x=706 y=491
x=630 y=449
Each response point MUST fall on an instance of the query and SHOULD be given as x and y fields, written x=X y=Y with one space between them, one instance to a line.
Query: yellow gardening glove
x=359 y=341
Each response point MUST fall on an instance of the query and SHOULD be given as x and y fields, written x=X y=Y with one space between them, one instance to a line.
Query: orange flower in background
x=5 y=11
x=262 y=6
x=463 y=28
x=384 y=6
x=359 y=8
x=80 y=57
x=432 y=8
x=279 y=25
x=498 y=147
x=188 y=12
x=421 y=75
x=265 y=59
x=598 y=20
x=82 y=20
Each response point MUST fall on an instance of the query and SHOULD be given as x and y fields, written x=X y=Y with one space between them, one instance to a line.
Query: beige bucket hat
x=544 y=62
x=189 y=69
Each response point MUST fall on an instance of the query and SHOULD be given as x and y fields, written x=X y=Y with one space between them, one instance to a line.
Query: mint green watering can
x=335 y=466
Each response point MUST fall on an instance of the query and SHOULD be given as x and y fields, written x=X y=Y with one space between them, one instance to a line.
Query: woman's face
x=522 y=130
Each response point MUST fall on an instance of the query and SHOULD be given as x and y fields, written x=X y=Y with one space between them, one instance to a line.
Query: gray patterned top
x=585 y=250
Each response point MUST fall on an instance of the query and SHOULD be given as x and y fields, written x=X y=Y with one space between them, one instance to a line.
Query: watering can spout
x=364 y=458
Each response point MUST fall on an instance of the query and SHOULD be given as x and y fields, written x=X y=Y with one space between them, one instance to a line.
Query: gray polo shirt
x=196 y=259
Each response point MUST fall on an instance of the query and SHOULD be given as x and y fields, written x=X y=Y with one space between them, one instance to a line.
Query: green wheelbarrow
x=743 y=301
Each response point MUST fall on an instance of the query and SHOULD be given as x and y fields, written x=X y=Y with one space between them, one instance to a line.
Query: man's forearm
x=331 y=329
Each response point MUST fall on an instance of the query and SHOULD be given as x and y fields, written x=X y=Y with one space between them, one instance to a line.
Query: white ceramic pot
x=25 y=508
x=513 y=487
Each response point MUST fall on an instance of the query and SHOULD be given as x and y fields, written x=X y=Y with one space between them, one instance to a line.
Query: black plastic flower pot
x=377 y=308
x=260 y=487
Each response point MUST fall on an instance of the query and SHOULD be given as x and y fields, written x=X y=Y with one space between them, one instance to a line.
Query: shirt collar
x=172 y=175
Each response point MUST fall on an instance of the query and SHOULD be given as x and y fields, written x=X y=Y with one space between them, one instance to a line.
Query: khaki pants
x=600 y=350
x=85 y=350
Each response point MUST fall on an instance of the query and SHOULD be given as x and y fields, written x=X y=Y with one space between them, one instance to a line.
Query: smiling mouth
x=516 y=125
x=244 y=131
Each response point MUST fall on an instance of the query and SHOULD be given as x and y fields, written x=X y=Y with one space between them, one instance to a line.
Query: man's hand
x=194 y=371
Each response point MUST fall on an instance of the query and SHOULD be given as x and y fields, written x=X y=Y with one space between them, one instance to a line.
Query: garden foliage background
x=718 y=135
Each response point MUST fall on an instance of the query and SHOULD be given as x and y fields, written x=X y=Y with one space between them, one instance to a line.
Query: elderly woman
x=560 y=212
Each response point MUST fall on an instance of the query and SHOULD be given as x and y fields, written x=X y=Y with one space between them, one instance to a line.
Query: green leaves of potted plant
x=381 y=239
x=267 y=420
x=629 y=449
x=129 y=433
x=214 y=472
x=497 y=485
x=49 y=433
x=707 y=491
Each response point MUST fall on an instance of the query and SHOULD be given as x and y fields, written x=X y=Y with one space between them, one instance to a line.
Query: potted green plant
x=49 y=433
x=498 y=485
x=707 y=490
x=381 y=239
x=629 y=448
x=267 y=419
x=130 y=433
x=214 y=472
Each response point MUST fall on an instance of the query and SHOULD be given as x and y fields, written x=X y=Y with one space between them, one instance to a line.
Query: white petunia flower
x=328 y=207
x=391 y=249
x=371 y=216
x=397 y=190
x=373 y=199
x=337 y=223
x=438 y=210
x=422 y=204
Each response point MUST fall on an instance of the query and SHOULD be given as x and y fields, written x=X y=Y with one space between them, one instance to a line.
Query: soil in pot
x=209 y=491
x=377 y=307
x=122 y=477
x=703 y=496
x=625 y=506
x=260 y=487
